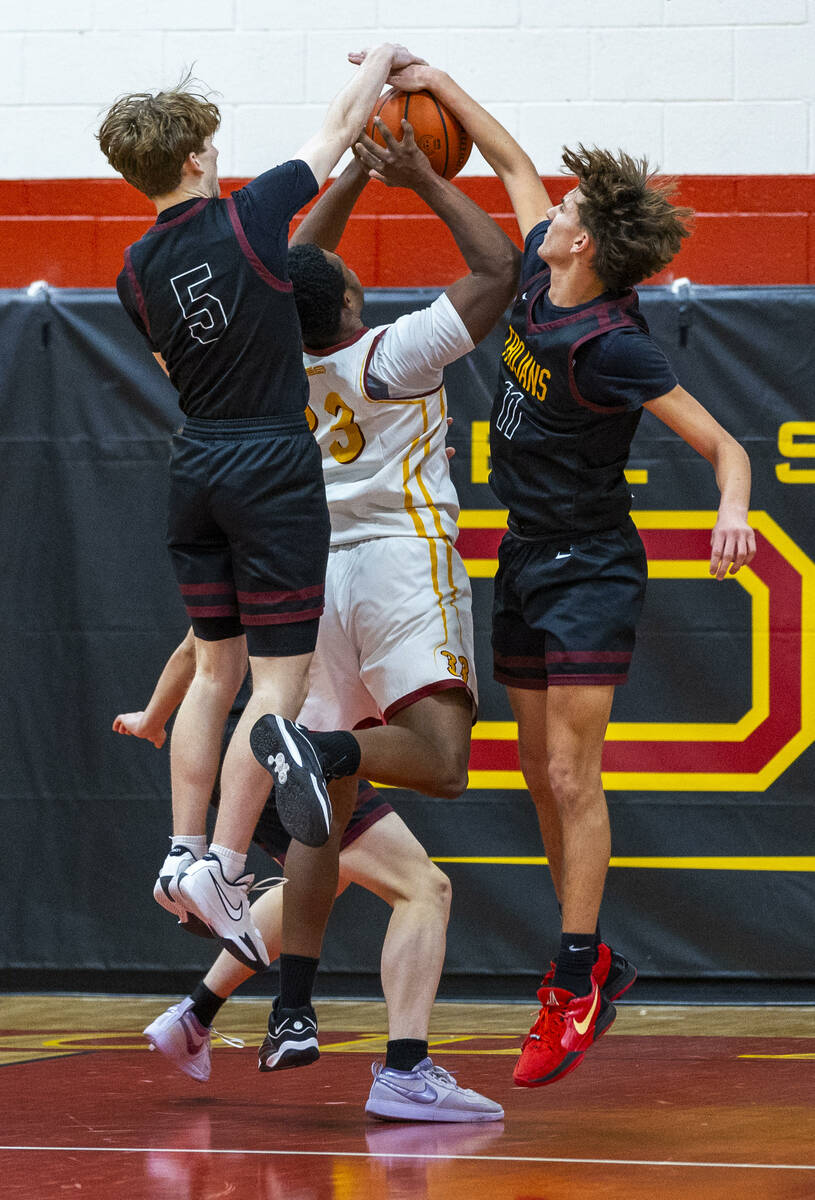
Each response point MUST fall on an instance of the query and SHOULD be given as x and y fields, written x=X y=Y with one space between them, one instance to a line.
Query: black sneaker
x=301 y=795
x=291 y=1040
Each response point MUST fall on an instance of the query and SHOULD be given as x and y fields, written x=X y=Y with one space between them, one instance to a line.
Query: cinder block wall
x=718 y=89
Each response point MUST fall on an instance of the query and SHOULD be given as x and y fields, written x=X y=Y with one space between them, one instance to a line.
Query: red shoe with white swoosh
x=565 y=1028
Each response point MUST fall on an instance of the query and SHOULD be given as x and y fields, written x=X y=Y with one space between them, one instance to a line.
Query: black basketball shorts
x=566 y=612
x=248 y=531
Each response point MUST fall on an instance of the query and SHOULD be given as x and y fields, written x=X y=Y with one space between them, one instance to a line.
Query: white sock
x=232 y=862
x=196 y=843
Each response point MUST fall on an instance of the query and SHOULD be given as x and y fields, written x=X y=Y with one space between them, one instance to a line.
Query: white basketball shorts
x=397 y=626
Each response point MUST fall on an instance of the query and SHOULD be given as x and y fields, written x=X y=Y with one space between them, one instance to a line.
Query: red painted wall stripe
x=750 y=229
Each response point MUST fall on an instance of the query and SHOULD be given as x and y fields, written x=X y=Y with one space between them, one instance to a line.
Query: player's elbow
x=506 y=272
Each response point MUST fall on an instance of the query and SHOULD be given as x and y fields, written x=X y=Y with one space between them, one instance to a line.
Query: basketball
x=438 y=133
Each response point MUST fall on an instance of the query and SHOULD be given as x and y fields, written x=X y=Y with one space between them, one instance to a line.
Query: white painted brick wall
x=700 y=86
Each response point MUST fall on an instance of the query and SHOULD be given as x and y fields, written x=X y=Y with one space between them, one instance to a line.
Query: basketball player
x=395 y=642
x=378 y=852
x=577 y=369
x=248 y=523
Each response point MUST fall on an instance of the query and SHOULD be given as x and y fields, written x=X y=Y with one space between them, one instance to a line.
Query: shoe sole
x=188 y=921
x=302 y=801
x=408 y=1112
x=240 y=945
x=572 y=1060
x=290 y=1055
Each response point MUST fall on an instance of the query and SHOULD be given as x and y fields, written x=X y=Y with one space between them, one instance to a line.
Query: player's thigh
x=337 y=698
x=444 y=719
x=390 y=862
x=413 y=621
x=270 y=502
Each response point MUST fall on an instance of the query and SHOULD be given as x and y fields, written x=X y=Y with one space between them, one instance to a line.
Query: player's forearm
x=497 y=146
x=325 y=223
x=733 y=476
x=350 y=110
x=172 y=684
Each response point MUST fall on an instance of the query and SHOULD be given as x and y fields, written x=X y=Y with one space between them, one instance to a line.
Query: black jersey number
x=203 y=312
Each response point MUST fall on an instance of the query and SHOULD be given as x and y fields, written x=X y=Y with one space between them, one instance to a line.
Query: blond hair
x=635 y=228
x=147 y=137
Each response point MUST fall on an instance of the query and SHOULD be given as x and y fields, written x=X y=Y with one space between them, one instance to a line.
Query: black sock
x=297 y=974
x=574 y=963
x=205 y=1003
x=405 y=1053
x=597 y=940
x=339 y=753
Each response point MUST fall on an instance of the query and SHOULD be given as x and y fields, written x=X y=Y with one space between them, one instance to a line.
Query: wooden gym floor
x=713 y=1103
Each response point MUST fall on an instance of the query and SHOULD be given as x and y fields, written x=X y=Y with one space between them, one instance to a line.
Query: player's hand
x=733 y=545
x=397 y=163
x=402 y=57
x=135 y=725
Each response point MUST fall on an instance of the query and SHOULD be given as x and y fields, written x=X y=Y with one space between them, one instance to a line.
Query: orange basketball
x=438 y=133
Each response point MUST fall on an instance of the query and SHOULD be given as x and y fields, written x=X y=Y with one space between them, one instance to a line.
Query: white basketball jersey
x=384 y=461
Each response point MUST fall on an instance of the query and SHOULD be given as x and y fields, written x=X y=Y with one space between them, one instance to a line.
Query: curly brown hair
x=635 y=228
x=147 y=137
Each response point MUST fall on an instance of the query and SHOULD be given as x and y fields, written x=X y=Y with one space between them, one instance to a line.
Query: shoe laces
x=436 y=1072
x=238 y=1043
x=548 y=1025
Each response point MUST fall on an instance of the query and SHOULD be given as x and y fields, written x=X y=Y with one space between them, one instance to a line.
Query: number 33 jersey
x=378 y=410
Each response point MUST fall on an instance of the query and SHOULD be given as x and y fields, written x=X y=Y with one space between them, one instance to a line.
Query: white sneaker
x=427 y=1093
x=165 y=891
x=181 y=1037
x=224 y=907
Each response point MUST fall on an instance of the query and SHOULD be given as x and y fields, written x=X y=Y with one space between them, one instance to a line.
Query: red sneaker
x=612 y=973
x=565 y=1028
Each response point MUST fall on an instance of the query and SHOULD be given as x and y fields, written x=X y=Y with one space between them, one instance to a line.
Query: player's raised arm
x=325 y=223
x=511 y=163
x=349 y=110
x=480 y=297
x=733 y=543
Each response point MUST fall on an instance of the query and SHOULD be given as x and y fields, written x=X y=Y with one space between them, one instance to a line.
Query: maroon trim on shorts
x=212 y=610
x=577 y=656
x=324 y=351
x=160 y=226
x=138 y=293
x=307 y=614
x=205 y=589
x=441 y=685
x=353 y=831
x=369 y=723
x=591 y=680
x=265 y=274
x=281 y=597
x=530 y=685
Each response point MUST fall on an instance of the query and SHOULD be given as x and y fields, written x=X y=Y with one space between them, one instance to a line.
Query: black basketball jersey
x=559 y=435
x=222 y=318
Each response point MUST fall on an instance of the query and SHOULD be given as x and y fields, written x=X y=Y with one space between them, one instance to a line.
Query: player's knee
x=435 y=890
x=451 y=776
x=571 y=786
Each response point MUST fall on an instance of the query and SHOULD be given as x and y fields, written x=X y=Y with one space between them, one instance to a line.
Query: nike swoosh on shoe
x=427 y=1095
x=231 y=911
